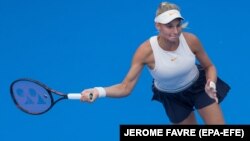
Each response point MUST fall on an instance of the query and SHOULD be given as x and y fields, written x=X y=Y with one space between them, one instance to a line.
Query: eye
x=169 y=25
x=172 y=26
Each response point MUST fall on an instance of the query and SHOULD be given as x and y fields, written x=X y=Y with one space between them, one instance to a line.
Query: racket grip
x=74 y=96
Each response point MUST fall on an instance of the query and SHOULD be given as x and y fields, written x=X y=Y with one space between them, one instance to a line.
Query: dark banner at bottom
x=193 y=132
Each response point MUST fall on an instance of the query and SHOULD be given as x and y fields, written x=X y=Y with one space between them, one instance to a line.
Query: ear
x=157 y=26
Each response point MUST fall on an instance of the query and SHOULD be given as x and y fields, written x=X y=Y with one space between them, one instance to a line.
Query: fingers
x=91 y=96
x=213 y=95
x=212 y=86
x=210 y=89
x=216 y=99
x=87 y=95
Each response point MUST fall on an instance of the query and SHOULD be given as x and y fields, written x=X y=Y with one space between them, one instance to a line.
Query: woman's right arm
x=126 y=86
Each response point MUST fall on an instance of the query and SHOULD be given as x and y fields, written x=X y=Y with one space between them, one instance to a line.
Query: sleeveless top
x=175 y=70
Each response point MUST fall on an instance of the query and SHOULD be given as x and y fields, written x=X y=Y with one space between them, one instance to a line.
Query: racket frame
x=48 y=89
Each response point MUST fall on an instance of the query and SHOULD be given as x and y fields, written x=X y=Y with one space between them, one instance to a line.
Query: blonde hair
x=165 y=6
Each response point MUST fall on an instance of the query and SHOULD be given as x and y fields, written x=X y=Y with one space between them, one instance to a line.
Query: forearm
x=118 y=90
x=211 y=73
x=210 y=87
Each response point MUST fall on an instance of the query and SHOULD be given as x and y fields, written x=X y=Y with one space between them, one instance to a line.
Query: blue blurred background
x=74 y=44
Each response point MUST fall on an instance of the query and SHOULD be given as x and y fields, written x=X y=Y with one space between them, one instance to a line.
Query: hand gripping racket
x=34 y=97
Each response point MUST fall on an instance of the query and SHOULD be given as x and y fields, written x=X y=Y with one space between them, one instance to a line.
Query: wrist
x=101 y=91
x=212 y=85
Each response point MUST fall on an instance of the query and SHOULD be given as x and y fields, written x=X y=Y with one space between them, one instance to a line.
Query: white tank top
x=174 y=70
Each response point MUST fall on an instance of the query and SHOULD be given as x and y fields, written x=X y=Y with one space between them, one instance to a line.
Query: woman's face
x=170 y=31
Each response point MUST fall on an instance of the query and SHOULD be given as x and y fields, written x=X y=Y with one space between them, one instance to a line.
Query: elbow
x=126 y=92
x=127 y=89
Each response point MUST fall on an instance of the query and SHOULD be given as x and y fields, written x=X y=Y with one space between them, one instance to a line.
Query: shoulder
x=190 y=37
x=192 y=41
x=145 y=48
x=143 y=51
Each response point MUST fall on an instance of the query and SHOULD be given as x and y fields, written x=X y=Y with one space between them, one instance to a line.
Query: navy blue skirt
x=179 y=105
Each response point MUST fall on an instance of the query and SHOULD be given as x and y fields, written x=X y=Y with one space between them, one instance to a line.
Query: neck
x=167 y=45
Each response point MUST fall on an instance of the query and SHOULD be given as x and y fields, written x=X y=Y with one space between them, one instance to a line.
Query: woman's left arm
x=202 y=57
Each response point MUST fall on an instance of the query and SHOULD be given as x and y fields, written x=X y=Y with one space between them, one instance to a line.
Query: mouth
x=174 y=37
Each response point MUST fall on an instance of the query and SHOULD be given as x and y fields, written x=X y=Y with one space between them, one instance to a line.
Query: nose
x=175 y=30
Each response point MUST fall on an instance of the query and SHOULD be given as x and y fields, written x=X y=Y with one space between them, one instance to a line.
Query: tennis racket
x=34 y=97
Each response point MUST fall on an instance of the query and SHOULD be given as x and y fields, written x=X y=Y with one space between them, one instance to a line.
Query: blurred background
x=71 y=45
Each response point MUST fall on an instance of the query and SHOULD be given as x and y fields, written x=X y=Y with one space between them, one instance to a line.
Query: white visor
x=168 y=16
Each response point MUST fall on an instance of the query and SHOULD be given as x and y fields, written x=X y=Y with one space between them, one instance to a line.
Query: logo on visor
x=172 y=13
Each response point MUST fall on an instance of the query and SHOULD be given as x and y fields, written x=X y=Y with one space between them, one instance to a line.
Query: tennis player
x=184 y=78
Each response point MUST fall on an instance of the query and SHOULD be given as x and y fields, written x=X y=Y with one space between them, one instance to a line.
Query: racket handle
x=77 y=96
x=74 y=96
